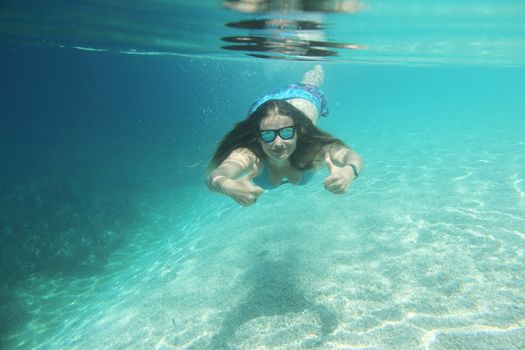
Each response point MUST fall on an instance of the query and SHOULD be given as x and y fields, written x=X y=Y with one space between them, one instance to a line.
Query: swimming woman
x=279 y=142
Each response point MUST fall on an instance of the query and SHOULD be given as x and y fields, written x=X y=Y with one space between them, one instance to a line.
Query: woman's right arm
x=228 y=177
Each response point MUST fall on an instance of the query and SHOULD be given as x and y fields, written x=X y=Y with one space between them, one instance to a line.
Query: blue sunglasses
x=285 y=133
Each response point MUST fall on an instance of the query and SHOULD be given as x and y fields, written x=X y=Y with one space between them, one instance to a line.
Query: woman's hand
x=340 y=178
x=242 y=190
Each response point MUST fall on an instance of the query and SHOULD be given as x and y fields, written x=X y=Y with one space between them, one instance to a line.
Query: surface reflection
x=291 y=29
x=294 y=5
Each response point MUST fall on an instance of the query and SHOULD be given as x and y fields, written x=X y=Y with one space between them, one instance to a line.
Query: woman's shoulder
x=245 y=154
x=331 y=148
x=318 y=153
x=244 y=151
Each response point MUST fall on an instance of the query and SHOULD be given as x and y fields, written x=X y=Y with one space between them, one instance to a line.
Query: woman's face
x=279 y=149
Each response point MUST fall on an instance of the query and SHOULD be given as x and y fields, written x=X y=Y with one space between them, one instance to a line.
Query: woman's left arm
x=344 y=165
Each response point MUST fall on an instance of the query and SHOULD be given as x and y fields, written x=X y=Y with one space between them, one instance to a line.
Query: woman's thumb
x=328 y=162
x=252 y=173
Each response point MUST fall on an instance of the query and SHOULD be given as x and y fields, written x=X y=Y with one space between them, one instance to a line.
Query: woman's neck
x=279 y=163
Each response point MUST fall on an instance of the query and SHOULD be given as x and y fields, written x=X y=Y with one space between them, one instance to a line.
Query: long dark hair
x=310 y=139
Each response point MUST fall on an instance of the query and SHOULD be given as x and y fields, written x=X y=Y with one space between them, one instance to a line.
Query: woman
x=279 y=142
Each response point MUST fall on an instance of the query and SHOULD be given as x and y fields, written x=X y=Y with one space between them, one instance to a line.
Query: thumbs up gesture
x=339 y=179
x=242 y=190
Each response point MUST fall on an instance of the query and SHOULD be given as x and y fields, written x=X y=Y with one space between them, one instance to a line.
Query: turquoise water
x=111 y=240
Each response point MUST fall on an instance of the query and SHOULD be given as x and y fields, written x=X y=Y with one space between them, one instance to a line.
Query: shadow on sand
x=273 y=290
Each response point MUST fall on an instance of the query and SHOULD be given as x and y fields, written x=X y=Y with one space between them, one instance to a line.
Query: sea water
x=111 y=240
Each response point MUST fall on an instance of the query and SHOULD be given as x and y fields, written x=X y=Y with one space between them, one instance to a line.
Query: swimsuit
x=305 y=91
x=263 y=180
